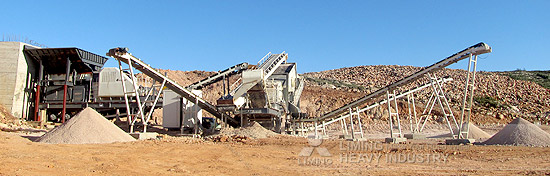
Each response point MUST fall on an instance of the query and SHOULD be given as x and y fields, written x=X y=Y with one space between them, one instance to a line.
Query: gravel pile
x=254 y=130
x=520 y=132
x=86 y=127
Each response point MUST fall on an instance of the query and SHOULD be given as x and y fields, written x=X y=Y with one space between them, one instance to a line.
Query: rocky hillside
x=498 y=98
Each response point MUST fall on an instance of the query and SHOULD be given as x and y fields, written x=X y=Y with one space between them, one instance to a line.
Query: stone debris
x=242 y=135
x=6 y=117
x=253 y=130
x=231 y=138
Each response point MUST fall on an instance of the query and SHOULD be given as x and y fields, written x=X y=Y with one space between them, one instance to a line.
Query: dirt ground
x=272 y=156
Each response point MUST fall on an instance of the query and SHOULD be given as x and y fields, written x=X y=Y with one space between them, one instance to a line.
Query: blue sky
x=318 y=35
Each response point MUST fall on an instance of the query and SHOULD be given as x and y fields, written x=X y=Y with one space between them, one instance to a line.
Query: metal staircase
x=272 y=63
x=267 y=67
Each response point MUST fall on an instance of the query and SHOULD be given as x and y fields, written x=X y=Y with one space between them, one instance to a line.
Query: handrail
x=269 y=53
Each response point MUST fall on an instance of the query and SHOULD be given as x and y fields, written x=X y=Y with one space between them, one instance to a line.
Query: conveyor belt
x=122 y=54
x=384 y=101
x=476 y=49
x=219 y=76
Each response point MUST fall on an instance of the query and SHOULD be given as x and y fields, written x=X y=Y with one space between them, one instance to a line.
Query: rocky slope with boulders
x=497 y=98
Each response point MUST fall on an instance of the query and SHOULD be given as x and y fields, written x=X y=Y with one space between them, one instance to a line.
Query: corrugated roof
x=55 y=59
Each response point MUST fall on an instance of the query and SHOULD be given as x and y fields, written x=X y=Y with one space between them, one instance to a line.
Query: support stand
x=132 y=96
x=395 y=137
x=467 y=104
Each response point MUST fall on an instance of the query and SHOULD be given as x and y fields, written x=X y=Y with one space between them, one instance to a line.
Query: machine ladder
x=394 y=132
x=355 y=129
x=467 y=102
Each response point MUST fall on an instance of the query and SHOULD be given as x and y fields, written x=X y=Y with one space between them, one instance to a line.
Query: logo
x=307 y=158
x=314 y=145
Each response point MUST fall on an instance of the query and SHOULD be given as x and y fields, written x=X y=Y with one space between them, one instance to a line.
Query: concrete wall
x=17 y=73
x=9 y=54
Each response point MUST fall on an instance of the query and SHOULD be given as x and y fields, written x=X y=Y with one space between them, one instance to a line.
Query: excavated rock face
x=520 y=132
x=86 y=127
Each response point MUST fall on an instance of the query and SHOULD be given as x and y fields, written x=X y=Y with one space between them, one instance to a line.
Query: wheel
x=52 y=117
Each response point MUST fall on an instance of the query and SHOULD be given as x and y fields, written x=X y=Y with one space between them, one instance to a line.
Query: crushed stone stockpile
x=473 y=133
x=520 y=132
x=254 y=130
x=476 y=133
x=86 y=127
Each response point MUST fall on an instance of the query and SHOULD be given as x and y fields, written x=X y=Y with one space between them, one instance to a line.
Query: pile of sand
x=254 y=130
x=87 y=126
x=520 y=132
x=475 y=132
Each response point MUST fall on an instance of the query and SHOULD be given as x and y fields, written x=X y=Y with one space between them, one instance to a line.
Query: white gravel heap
x=86 y=127
x=520 y=132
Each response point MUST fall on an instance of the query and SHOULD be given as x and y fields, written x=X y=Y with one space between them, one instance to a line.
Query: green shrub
x=540 y=77
x=488 y=101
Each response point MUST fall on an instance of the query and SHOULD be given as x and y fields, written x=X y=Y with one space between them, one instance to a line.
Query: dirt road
x=275 y=156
